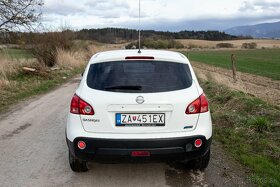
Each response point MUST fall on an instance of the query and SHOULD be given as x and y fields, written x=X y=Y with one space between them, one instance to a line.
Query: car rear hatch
x=139 y=97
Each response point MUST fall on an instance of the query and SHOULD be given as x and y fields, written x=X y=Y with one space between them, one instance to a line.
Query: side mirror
x=82 y=74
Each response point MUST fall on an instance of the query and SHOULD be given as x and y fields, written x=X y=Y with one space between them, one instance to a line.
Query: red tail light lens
x=198 y=143
x=81 y=145
x=140 y=154
x=74 y=108
x=204 y=107
x=79 y=106
x=194 y=107
x=200 y=105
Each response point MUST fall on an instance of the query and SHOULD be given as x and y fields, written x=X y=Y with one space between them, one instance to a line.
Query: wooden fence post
x=233 y=65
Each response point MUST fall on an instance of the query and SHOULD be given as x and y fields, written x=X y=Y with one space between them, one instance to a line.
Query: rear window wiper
x=124 y=87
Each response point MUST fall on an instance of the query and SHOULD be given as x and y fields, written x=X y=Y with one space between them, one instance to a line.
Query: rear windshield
x=139 y=76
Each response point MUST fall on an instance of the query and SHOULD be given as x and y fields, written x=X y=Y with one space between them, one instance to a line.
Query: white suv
x=139 y=106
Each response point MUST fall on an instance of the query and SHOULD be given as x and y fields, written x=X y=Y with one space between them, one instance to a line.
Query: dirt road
x=33 y=152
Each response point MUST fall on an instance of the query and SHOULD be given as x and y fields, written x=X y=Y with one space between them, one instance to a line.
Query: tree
x=17 y=14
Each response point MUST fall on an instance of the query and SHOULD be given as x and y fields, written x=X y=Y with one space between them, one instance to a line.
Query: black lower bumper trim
x=121 y=149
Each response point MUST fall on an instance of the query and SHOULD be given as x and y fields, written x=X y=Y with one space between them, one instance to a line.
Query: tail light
x=200 y=105
x=140 y=154
x=81 y=145
x=198 y=143
x=79 y=106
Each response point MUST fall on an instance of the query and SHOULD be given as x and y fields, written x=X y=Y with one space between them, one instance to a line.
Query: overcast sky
x=171 y=15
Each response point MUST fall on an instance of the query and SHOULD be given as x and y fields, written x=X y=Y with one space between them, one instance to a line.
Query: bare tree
x=16 y=14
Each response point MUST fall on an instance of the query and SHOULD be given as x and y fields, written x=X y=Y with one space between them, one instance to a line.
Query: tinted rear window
x=139 y=76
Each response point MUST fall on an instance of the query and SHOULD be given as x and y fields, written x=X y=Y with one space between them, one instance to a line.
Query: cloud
x=198 y=24
x=62 y=8
x=260 y=6
x=107 y=5
x=247 y=6
x=267 y=4
x=160 y=14
x=107 y=9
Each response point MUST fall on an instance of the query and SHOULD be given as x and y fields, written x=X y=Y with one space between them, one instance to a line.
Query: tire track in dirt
x=261 y=87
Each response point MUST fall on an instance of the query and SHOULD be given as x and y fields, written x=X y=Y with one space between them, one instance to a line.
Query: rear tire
x=77 y=165
x=202 y=162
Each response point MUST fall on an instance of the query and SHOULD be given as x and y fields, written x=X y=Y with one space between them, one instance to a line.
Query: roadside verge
x=249 y=130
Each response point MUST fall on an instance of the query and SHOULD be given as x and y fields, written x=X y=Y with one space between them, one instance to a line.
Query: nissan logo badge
x=140 y=100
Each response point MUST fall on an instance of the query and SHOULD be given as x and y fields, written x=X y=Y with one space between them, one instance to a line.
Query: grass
x=249 y=130
x=16 y=85
x=23 y=86
x=263 y=62
x=16 y=53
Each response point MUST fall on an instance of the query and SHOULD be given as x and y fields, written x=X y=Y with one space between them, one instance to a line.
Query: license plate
x=140 y=120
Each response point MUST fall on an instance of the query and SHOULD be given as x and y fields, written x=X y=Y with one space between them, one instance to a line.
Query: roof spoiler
x=139 y=58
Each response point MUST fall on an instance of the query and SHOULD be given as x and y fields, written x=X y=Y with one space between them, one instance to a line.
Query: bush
x=192 y=46
x=224 y=45
x=44 y=46
x=251 y=45
x=178 y=45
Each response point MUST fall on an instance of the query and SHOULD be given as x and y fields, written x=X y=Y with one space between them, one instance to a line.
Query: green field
x=263 y=62
x=16 y=53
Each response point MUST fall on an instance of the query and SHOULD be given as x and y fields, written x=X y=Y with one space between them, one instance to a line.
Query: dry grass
x=7 y=67
x=69 y=59
x=64 y=59
x=10 y=67
x=260 y=42
x=99 y=47
x=92 y=49
x=266 y=43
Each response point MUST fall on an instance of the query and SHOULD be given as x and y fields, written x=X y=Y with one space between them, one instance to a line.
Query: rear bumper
x=121 y=149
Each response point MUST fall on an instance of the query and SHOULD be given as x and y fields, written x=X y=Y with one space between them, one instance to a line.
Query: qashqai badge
x=140 y=100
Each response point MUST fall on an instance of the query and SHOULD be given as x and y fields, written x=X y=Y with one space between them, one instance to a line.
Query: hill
x=120 y=35
x=264 y=30
x=109 y=35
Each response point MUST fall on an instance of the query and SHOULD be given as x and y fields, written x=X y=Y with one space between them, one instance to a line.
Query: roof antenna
x=139 y=39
